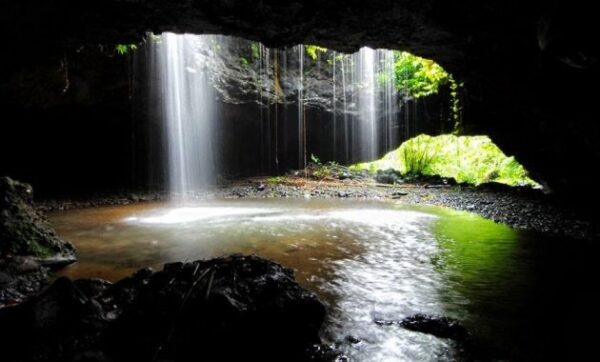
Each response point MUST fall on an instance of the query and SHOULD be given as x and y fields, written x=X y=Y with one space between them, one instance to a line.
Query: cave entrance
x=223 y=107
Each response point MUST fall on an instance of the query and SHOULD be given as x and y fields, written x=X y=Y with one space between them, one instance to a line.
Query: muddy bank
x=520 y=208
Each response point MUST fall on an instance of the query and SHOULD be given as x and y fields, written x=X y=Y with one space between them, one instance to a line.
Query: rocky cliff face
x=527 y=66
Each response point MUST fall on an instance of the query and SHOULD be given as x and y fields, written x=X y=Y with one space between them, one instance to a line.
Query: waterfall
x=188 y=109
x=201 y=81
x=345 y=105
x=387 y=89
x=301 y=120
x=369 y=101
x=366 y=103
x=333 y=105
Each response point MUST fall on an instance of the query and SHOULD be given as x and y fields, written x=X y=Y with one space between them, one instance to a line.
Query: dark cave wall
x=69 y=133
x=527 y=65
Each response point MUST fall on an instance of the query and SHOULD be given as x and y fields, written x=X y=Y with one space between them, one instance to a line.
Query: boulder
x=23 y=229
x=442 y=327
x=237 y=307
x=28 y=245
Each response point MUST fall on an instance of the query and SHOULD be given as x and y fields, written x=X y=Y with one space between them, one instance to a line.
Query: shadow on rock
x=216 y=310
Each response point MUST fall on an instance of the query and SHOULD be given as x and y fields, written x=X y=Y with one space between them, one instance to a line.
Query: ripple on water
x=366 y=260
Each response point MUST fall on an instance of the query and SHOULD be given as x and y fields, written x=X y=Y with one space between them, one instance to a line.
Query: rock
x=5 y=280
x=389 y=176
x=27 y=264
x=442 y=327
x=398 y=194
x=28 y=246
x=261 y=187
x=24 y=230
x=325 y=353
x=352 y=340
x=232 y=308
x=344 y=176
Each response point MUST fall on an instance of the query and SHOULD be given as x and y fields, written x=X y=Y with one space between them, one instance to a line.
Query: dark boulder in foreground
x=238 y=307
x=24 y=230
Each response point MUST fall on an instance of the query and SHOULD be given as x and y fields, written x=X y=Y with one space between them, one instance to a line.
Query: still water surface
x=365 y=260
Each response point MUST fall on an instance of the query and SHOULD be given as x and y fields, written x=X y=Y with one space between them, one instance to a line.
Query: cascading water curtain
x=190 y=72
x=188 y=107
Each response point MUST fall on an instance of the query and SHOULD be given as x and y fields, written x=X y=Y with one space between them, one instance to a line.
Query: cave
x=299 y=180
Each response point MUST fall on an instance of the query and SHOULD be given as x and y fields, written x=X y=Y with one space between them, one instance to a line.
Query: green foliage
x=276 y=180
x=417 y=156
x=244 y=62
x=312 y=50
x=255 y=48
x=123 y=49
x=455 y=104
x=468 y=159
x=315 y=159
x=417 y=76
x=321 y=170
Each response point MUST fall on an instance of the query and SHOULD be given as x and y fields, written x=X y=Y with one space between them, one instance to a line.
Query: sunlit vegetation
x=312 y=50
x=123 y=49
x=467 y=159
x=418 y=76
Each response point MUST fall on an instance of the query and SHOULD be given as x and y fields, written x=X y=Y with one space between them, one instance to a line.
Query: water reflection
x=366 y=260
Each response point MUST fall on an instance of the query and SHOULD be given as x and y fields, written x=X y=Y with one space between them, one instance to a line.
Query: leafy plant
x=315 y=159
x=123 y=49
x=321 y=170
x=417 y=156
x=417 y=76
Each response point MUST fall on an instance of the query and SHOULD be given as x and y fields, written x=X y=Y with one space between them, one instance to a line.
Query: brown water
x=365 y=260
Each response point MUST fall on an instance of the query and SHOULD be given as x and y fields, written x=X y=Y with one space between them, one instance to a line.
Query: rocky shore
x=199 y=308
x=521 y=208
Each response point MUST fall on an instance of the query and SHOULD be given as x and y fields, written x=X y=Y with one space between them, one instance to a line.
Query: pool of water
x=365 y=260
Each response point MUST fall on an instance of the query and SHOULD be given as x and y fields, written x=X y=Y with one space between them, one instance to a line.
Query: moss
x=467 y=159
x=38 y=250
x=312 y=50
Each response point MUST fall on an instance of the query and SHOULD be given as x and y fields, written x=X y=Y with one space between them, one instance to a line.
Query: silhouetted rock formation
x=221 y=309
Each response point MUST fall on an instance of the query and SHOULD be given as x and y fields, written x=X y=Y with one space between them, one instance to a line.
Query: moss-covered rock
x=467 y=159
x=23 y=229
